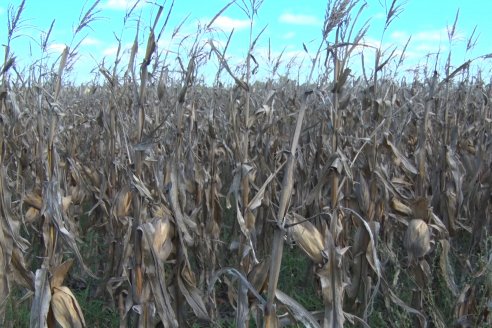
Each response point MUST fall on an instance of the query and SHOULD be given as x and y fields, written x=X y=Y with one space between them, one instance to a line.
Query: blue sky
x=290 y=23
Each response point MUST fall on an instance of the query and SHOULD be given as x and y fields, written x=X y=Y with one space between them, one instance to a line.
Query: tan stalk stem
x=278 y=242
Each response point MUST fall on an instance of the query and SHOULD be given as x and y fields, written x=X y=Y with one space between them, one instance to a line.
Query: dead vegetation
x=172 y=201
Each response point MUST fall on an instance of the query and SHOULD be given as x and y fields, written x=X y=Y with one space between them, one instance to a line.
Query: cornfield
x=162 y=201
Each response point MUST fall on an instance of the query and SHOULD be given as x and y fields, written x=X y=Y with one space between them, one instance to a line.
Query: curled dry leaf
x=258 y=276
x=59 y=273
x=446 y=268
x=400 y=208
x=34 y=199
x=297 y=310
x=66 y=309
x=400 y=158
x=32 y=215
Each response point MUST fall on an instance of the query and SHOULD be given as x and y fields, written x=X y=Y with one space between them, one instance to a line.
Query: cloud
x=299 y=19
x=110 y=51
x=426 y=48
x=57 y=47
x=289 y=35
x=227 y=23
x=2 y=10
x=428 y=36
x=379 y=16
x=121 y=4
x=113 y=49
x=400 y=36
x=88 y=41
x=440 y=35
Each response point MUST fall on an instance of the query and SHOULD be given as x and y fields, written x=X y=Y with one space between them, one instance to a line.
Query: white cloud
x=299 y=19
x=371 y=42
x=2 y=10
x=227 y=23
x=379 y=16
x=435 y=35
x=121 y=4
x=400 y=36
x=110 y=51
x=289 y=35
x=88 y=41
x=440 y=35
x=426 y=48
x=113 y=49
x=57 y=47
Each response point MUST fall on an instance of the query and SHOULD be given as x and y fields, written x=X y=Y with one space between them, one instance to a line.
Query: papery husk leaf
x=156 y=277
x=162 y=242
x=66 y=309
x=21 y=274
x=417 y=239
x=258 y=276
x=123 y=202
x=400 y=207
x=362 y=193
x=59 y=273
x=307 y=236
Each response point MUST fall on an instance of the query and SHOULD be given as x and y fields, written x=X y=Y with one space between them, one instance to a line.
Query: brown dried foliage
x=370 y=178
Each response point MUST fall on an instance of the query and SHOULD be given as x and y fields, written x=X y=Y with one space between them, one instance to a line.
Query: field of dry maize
x=154 y=200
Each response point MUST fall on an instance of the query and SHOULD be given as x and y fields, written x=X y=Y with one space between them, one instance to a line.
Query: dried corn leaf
x=52 y=210
x=244 y=280
x=439 y=226
x=20 y=272
x=242 y=222
x=182 y=222
x=66 y=309
x=157 y=279
x=59 y=273
x=361 y=241
x=332 y=285
x=446 y=268
x=32 y=215
x=194 y=298
x=372 y=228
x=396 y=300
x=142 y=189
x=400 y=207
x=407 y=165
x=34 y=199
x=4 y=281
x=383 y=177
x=466 y=304
x=456 y=168
x=258 y=276
x=42 y=299
x=297 y=310
x=362 y=193
x=257 y=199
